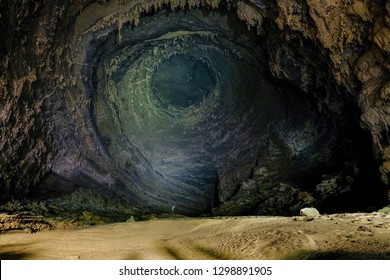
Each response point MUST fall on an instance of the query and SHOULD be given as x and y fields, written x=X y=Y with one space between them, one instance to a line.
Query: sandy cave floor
x=339 y=236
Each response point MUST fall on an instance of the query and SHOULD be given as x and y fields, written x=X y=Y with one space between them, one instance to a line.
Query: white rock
x=310 y=213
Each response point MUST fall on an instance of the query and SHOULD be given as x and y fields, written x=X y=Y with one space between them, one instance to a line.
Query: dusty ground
x=341 y=236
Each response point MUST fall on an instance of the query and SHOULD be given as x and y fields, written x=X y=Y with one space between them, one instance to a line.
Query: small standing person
x=173 y=210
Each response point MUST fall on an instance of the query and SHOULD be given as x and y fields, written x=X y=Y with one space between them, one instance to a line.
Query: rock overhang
x=101 y=138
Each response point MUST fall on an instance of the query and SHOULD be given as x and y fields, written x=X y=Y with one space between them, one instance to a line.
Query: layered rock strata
x=243 y=107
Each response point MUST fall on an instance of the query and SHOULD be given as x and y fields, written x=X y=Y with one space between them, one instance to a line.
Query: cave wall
x=330 y=49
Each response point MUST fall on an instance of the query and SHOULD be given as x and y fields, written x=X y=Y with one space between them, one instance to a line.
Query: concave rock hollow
x=211 y=108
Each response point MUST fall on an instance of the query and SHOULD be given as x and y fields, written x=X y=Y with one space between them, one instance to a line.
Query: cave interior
x=127 y=108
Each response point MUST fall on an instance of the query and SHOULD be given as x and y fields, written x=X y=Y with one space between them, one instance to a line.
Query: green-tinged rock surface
x=113 y=109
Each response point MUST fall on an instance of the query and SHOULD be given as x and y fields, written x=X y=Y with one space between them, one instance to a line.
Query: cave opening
x=182 y=81
x=212 y=110
x=188 y=103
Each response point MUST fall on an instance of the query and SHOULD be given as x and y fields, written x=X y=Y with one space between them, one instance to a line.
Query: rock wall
x=54 y=139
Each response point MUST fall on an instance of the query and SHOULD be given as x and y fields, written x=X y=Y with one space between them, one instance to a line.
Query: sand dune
x=341 y=236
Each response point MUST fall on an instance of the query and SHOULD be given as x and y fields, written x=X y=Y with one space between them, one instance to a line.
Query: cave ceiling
x=229 y=107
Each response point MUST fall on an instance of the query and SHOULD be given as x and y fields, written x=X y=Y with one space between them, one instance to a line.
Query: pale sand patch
x=341 y=236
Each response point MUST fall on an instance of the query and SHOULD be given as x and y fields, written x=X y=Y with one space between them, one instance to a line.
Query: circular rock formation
x=229 y=107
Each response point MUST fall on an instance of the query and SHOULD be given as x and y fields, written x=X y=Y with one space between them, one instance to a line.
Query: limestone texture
x=216 y=107
x=310 y=213
x=24 y=221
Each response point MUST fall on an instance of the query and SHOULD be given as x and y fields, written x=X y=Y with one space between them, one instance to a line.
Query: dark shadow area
x=211 y=252
x=173 y=252
x=337 y=255
x=14 y=256
x=7 y=252
x=345 y=255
